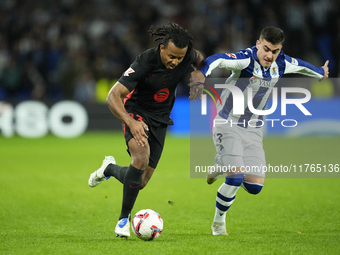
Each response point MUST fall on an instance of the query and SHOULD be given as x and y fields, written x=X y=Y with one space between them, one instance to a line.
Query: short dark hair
x=174 y=32
x=273 y=35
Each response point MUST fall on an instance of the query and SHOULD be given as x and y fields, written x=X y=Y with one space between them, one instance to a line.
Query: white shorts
x=240 y=147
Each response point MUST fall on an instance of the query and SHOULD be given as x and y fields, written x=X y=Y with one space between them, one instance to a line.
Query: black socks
x=132 y=181
x=131 y=178
x=116 y=171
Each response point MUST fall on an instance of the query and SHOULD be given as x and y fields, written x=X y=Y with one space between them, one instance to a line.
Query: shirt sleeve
x=295 y=65
x=230 y=61
x=135 y=73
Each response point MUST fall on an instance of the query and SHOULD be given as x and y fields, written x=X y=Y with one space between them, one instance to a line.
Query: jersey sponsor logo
x=231 y=55
x=129 y=71
x=161 y=95
x=261 y=83
x=252 y=80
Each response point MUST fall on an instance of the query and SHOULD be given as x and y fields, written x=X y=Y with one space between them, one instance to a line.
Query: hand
x=196 y=90
x=325 y=67
x=195 y=83
x=137 y=129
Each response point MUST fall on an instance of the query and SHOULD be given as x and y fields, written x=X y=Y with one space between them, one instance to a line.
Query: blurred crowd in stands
x=77 y=49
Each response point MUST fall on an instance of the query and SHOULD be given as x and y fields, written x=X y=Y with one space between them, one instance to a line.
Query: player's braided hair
x=174 y=32
x=273 y=35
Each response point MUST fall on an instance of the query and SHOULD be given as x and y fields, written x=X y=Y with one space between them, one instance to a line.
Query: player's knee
x=235 y=179
x=140 y=161
x=252 y=187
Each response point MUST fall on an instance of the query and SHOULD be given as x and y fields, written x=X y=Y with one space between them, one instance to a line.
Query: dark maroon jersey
x=152 y=86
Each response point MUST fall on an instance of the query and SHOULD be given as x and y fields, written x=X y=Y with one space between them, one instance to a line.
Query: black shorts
x=156 y=134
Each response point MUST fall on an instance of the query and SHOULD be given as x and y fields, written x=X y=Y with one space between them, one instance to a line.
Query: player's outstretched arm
x=114 y=101
x=196 y=81
x=325 y=67
x=200 y=60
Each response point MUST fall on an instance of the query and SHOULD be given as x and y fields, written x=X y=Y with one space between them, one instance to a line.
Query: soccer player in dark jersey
x=148 y=91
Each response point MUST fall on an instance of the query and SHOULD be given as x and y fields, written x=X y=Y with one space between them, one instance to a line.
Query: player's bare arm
x=114 y=101
x=194 y=91
x=196 y=80
x=199 y=61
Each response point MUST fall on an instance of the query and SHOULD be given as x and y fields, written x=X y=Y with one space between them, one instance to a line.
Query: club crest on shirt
x=129 y=71
x=274 y=71
x=167 y=78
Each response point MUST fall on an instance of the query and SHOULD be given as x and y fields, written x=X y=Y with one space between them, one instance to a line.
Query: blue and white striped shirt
x=246 y=71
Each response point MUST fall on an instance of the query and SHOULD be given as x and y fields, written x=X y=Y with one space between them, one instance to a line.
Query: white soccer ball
x=147 y=224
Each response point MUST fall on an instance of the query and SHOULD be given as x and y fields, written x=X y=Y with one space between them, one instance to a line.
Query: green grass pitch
x=46 y=206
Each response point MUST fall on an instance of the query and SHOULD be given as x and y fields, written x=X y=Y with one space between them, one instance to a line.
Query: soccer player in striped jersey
x=240 y=145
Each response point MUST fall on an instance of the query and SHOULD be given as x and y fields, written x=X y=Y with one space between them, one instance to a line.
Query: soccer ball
x=147 y=224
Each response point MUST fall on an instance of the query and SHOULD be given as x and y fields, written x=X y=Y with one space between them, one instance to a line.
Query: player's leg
x=146 y=176
x=229 y=148
x=253 y=184
x=133 y=177
x=99 y=175
x=228 y=141
x=119 y=173
x=225 y=197
x=143 y=163
x=254 y=160
x=156 y=142
x=131 y=185
x=214 y=173
x=109 y=167
x=116 y=171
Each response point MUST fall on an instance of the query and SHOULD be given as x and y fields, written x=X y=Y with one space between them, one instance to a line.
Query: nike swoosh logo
x=134 y=187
